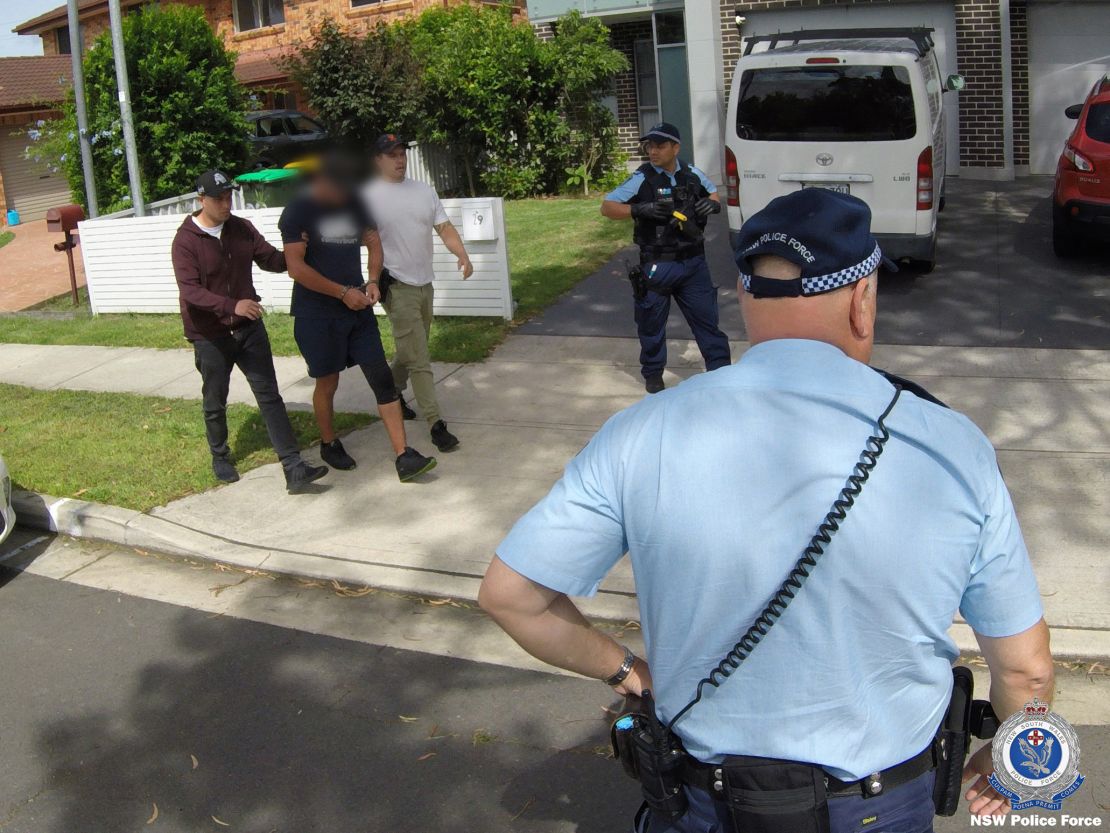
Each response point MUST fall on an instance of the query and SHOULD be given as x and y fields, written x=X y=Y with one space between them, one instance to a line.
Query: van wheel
x=923 y=267
x=1065 y=242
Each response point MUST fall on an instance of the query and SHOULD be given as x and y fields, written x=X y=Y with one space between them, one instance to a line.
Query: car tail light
x=822 y=60
x=1078 y=160
x=732 y=178
x=925 y=179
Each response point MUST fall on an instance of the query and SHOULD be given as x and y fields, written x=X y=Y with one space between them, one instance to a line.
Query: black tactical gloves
x=705 y=206
x=650 y=211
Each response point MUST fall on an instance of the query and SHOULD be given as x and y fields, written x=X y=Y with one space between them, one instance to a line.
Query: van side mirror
x=954 y=83
x=1074 y=111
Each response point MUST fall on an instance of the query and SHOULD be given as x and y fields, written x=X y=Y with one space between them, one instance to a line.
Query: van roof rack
x=921 y=36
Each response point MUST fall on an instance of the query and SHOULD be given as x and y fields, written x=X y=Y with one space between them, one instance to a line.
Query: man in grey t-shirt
x=406 y=212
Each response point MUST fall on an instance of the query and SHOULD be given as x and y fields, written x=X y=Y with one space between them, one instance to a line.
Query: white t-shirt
x=215 y=231
x=405 y=213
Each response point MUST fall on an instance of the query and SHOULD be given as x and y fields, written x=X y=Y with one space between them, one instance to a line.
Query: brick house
x=29 y=88
x=260 y=31
x=1023 y=60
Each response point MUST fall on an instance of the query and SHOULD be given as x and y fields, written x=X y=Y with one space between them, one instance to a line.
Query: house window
x=285 y=100
x=62 y=40
x=357 y=3
x=647 y=87
x=255 y=14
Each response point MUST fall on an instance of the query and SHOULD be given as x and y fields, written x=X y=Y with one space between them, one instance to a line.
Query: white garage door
x=1069 y=49
x=29 y=188
x=938 y=16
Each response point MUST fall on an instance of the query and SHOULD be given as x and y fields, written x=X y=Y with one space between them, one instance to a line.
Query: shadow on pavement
x=219 y=721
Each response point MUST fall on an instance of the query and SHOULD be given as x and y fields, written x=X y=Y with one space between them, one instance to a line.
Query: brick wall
x=979 y=61
x=978 y=58
x=1019 y=59
x=624 y=35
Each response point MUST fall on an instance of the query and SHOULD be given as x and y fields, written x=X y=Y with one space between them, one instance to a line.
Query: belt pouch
x=765 y=795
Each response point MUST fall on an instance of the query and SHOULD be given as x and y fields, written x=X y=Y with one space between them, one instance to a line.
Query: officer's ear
x=862 y=310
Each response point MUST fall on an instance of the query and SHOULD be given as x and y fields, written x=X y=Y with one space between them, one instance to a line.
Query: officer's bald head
x=844 y=317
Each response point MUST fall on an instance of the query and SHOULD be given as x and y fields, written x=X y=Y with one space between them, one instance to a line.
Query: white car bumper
x=7 y=514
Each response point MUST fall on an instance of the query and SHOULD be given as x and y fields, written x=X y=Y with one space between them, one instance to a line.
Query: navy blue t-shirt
x=334 y=237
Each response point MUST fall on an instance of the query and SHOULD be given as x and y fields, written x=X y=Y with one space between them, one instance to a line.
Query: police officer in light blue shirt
x=714 y=489
x=669 y=202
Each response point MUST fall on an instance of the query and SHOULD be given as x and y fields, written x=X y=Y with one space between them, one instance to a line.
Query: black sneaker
x=336 y=456
x=654 y=384
x=413 y=464
x=298 y=477
x=407 y=412
x=444 y=440
x=224 y=470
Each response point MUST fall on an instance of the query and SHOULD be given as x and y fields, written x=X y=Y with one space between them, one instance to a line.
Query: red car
x=1081 y=201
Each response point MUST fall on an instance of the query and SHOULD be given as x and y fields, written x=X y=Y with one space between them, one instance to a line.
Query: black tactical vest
x=661 y=238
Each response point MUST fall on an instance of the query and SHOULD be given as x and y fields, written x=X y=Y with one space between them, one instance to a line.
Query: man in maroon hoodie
x=212 y=256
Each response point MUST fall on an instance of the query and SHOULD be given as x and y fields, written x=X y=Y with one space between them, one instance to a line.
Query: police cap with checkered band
x=826 y=234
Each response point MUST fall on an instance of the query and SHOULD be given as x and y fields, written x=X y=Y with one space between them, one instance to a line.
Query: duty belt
x=648 y=256
x=710 y=778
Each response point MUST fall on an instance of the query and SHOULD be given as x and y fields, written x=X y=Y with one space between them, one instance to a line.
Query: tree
x=360 y=86
x=187 y=107
x=584 y=64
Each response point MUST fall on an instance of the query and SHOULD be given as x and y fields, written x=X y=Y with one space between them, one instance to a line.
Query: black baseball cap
x=387 y=141
x=662 y=132
x=215 y=183
x=825 y=233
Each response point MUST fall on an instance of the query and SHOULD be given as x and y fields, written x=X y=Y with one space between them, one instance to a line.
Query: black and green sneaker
x=412 y=464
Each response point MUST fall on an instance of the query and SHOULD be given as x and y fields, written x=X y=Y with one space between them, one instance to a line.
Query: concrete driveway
x=997 y=282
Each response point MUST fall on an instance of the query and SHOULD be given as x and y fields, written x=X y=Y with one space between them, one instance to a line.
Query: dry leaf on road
x=220 y=822
x=426 y=755
x=196 y=763
x=153 y=816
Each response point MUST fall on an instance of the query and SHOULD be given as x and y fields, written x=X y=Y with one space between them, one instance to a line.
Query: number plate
x=830 y=186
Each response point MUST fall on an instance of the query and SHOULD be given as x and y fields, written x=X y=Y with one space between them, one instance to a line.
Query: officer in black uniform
x=669 y=202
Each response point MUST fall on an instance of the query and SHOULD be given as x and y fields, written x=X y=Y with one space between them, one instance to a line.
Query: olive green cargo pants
x=410 y=314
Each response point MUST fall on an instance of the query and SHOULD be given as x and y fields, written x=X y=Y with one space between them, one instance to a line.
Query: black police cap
x=826 y=234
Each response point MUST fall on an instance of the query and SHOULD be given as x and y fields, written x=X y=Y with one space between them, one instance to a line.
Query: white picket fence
x=128 y=266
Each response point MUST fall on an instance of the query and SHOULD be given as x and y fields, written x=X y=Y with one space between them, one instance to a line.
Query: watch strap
x=624 y=670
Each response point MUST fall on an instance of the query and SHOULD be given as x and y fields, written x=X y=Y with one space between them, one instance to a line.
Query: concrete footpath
x=523 y=413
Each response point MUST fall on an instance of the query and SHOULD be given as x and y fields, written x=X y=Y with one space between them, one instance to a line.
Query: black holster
x=385 y=281
x=966 y=717
x=639 y=282
x=652 y=755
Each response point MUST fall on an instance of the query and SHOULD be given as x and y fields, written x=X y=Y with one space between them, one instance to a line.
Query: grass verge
x=553 y=244
x=6 y=237
x=128 y=450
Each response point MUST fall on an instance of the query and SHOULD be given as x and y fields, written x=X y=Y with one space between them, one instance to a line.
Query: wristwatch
x=624 y=670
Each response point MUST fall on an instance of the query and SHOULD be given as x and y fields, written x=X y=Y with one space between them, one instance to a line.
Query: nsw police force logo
x=1036 y=758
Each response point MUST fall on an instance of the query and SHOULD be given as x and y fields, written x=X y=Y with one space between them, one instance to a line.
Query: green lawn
x=553 y=243
x=6 y=237
x=128 y=450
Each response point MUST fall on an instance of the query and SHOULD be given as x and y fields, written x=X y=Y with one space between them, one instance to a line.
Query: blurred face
x=216 y=210
x=661 y=154
x=325 y=189
x=393 y=164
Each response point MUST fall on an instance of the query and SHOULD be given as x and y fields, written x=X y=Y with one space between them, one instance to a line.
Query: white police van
x=857 y=111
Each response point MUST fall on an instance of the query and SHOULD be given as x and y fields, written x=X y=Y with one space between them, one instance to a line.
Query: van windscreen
x=826 y=104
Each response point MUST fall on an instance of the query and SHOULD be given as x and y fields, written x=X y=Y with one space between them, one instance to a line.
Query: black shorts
x=330 y=345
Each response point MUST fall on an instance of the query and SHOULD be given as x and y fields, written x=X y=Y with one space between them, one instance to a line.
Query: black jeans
x=248 y=348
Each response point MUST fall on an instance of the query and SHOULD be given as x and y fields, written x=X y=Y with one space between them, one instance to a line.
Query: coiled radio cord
x=782 y=597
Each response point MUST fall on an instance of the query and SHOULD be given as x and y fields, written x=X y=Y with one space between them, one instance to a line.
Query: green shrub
x=186 y=103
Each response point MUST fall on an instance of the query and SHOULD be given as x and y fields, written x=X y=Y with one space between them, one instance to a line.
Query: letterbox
x=64 y=218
